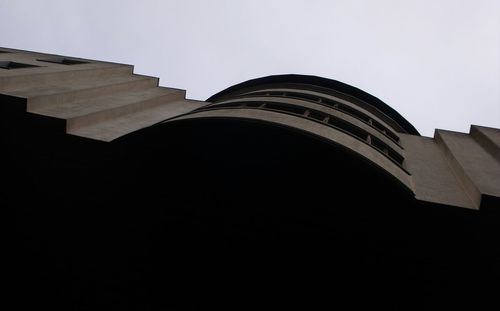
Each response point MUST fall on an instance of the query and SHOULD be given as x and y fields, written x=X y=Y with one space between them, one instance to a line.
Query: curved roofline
x=324 y=83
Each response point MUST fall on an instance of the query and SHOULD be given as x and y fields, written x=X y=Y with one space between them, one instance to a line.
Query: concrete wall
x=105 y=101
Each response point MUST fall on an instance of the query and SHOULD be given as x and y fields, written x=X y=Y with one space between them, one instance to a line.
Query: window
x=252 y=104
x=348 y=128
x=387 y=150
x=63 y=61
x=317 y=115
x=384 y=130
x=14 y=65
x=286 y=108
x=304 y=96
x=354 y=112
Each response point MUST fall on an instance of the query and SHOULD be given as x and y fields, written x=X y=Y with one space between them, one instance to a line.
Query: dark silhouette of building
x=284 y=191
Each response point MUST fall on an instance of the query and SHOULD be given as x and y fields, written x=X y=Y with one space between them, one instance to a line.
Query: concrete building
x=126 y=193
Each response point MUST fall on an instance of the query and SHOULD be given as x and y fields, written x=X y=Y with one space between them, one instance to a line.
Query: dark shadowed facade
x=284 y=191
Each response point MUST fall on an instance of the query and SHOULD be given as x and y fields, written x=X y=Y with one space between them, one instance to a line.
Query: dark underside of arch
x=230 y=215
x=230 y=156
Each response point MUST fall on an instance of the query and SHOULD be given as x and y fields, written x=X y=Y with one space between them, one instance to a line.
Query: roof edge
x=325 y=83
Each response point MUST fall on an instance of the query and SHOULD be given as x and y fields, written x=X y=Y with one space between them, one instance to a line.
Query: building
x=128 y=194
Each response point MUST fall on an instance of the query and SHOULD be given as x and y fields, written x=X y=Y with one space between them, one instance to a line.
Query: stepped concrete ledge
x=113 y=128
x=432 y=177
x=96 y=100
x=464 y=154
x=488 y=138
x=48 y=76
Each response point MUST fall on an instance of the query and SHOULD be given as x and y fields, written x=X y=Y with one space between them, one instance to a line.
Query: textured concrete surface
x=348 y=118
x=488 y=138
x=97 y=100
x=432 y=177
x=477 y=169
x=105 y=101
x=373 y=112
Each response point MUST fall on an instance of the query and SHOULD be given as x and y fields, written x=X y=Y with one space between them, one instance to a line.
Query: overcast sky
x=437 y=62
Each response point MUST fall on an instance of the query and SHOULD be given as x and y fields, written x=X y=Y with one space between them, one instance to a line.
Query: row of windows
x=335 y=105
x=16 y=65
x=323 y=118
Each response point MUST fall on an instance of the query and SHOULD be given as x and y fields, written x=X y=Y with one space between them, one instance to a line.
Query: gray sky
x=437 y=62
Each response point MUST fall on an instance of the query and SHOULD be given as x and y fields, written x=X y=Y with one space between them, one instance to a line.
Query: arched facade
x=319 y=107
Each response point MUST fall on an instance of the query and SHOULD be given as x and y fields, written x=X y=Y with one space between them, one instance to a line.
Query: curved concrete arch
x=326 y=133
x=332 y=112
x=351 y=93
x=378 y=117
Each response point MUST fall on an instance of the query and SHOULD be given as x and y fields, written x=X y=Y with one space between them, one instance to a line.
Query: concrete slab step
x=71 y=92
x=111 y=129
x=79 y=108
x=12 y=80
x=433 y=179
x=488 y=138
x=463 y=153
x=111 y=107
x=68 y=86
